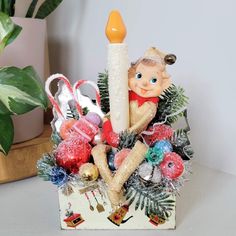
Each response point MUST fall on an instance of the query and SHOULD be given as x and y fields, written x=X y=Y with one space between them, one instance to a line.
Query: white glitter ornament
x=149 y=173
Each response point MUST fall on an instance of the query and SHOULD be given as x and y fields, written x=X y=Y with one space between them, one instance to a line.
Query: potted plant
x=20 y=89
x=29 y=49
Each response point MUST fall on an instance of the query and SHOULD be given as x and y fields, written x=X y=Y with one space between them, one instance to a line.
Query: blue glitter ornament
x=58 y=176
x=154 y=156
x=164 y=145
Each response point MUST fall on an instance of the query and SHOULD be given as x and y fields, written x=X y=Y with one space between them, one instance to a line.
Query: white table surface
x=206 y=207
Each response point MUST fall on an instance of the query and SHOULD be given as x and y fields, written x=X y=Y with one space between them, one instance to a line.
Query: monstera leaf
x=20 y=92
x=8 y=30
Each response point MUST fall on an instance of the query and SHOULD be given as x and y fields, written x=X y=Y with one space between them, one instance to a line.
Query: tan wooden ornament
x=129 y=165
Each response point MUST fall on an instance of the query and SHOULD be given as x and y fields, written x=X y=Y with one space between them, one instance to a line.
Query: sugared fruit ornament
x=82 y=128
x=172 y=165
x=158 y=132
x=156 y=176
x=72 y=153
x=94 y=118
x=88 y=172
x=120 y=156
x=149 y=173
x=154 y=156
x=145 y=171
x=164 y=145
x=66 y=128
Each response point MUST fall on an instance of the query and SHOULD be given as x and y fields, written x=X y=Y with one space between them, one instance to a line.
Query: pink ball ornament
x=120 y=156
x=72 y=153
x=172 y=165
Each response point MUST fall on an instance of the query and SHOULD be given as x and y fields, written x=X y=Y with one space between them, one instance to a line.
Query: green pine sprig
x=150 y=199
x=127 y=140
x=44 y=166
x=103 y=89
x=172 y=101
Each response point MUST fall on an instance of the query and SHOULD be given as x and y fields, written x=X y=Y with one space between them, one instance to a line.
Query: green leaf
x=31 y=9
x=8 y=30
x=6 y=133
x=8 y=7
x=20 y=90
x=47 y=7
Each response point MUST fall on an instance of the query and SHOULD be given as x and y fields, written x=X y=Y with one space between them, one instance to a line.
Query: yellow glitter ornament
x=88 y=172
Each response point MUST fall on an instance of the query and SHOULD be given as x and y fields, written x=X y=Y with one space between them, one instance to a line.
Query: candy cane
x=82 y=82
x=51 y=98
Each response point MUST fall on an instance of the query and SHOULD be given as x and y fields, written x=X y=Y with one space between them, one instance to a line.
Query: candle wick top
x=115 y=29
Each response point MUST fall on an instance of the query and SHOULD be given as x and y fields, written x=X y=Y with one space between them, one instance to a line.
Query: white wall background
x=201 y=33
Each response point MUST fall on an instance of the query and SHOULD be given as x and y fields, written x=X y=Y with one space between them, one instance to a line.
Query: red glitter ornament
x=172 y=165
x=72 y=153
x=109 y=135
x=158 y=132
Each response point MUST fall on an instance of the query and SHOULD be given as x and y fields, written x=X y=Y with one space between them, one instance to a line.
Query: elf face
x=148 y=80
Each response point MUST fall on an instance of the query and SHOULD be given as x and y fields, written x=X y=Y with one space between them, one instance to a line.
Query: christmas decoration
x=93 y=118
x=154 y=155
x=72 y=153
x=119 y=154
x=110 y=160
x=66 y=128
x=88 y=172
x=164 y=146
x=172 y=166
x=58 y=176
x=157 y=132
x=104 y=93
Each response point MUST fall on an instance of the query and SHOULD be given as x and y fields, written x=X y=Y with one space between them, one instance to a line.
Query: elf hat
x=160 y=57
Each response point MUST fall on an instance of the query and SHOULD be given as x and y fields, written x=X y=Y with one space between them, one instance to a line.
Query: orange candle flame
x=115 y=29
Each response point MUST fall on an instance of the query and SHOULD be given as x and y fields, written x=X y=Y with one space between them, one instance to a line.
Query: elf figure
x=147 y=80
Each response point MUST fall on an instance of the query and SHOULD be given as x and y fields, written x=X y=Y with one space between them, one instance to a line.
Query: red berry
x=172 y=165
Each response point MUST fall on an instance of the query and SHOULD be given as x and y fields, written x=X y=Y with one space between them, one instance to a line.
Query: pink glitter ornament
x=120 y=156
x=158 y=132
x=82 y=129
x=72 y=153
x=85 y=129
x=65 y=129
x=172 y=165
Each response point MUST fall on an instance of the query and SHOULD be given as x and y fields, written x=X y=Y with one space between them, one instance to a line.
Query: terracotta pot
x=27 y=49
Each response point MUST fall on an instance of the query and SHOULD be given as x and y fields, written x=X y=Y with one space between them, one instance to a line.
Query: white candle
x=118 y=65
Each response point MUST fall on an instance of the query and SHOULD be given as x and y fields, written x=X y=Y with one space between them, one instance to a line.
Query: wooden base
x=21 y=160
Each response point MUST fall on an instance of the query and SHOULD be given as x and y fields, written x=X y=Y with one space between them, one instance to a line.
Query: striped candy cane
x=52 y=99
x=82 y=82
